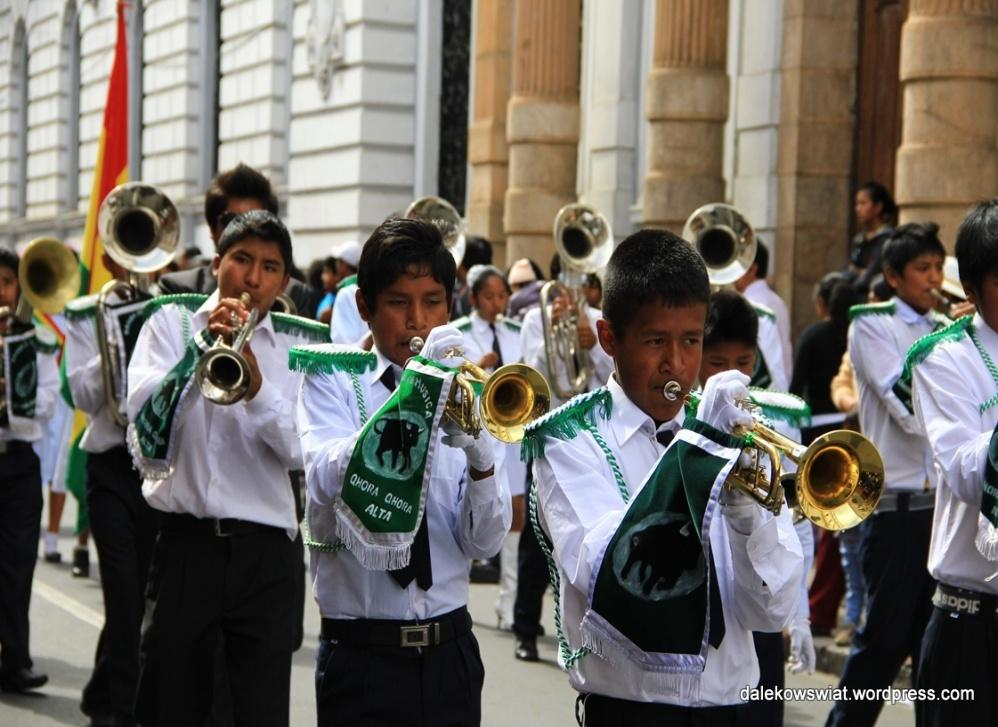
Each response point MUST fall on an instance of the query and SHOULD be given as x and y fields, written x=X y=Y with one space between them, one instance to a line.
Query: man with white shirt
x=399 y=499
x=754 y=286
x=225 y=563
x=123 y=525
x=955 y=382
x=895 y=539
x=658 y=606
x=29 y=385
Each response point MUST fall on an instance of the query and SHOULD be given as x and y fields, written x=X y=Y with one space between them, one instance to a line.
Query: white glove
x=477 y=450
x=717 y=405
x=443 y=340
x=802 y=656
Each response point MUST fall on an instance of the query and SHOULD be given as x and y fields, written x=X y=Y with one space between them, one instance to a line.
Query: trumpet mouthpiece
x=672 y=390
x=416 y=344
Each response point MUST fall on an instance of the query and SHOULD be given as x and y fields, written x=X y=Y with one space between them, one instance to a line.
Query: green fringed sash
x=326 y=358
x=880 y=309
x=777 y=405
x=462 y=324
x=190 y=301
x=302 y=327
x=348 y=280
x=512 y=325
x=566 y=421
x=925 y=345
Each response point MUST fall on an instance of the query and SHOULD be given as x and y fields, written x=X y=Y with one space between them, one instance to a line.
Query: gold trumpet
x=503 y=402
x=839 y=479
x=222 y=373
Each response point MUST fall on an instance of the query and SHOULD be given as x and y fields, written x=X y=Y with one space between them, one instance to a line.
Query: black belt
x=13 y=446
x=963 y=602
x=906 y=501
x=216 y=527
x=402 y=634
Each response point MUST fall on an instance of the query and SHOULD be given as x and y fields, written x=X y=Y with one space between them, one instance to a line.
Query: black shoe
x=22 y=680
x=54 y=557
x=81 y=562
x=526 y=649
x=482 y=571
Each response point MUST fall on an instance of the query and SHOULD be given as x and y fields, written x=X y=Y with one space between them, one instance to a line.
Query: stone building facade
x=644 y=109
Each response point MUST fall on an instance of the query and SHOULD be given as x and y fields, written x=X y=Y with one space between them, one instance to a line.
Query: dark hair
x=260 y=224
x=313 y=276
x=486 y=272
x=730 y=318
x=554 y=267
x=651 y=266
x=761 y=260
x=823 y=290
x=909 y=241
x=240 y=182
x=9 y=259
x=977 y=244
x=841 y=298
x=398 y=246
x=882 y=290
x=477 y=251
x=878 y=194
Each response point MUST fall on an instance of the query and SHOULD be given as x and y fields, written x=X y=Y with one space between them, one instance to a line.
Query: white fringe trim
x=150 y=469
x=383 y=556
x=987 y=538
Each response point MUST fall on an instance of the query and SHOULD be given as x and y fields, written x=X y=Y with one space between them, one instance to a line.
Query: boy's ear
x=893 y=277
x=604 y=333
x=215 y=262
x=365 y=314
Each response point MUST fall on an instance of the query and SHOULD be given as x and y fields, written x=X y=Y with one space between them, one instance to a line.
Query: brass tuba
x=140 y=230
x=724 y=239
x=445 y=216
x=222 y=372
x=584 y=242
x=509 y=399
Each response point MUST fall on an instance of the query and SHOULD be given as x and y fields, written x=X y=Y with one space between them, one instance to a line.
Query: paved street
x=66 y=614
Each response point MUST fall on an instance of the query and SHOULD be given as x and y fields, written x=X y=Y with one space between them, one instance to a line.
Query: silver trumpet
x=438 y=211
x=724 y=239
x=222 y=373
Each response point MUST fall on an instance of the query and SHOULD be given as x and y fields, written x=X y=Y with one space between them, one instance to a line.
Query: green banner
x=21 y=373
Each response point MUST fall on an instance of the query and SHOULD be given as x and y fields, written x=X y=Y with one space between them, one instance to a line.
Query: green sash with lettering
x=384 y=486
x=987 y=525
x=20 y=372
x=649 y=596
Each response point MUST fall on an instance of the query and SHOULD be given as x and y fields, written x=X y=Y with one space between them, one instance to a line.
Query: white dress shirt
x=581 y=509
x=345 y=325
x=878 y=344
x=949 y=389
x=83 y=374
x=771 y=348
x=465 y=519
x=532 y=348
x=758 y=291
x=229 y=461
x=46 y=393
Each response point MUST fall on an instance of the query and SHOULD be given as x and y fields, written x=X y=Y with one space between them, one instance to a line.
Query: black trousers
x=124 y=529
x=893 y=554
x=531 y=583
x=959 y=652
x=766 y=713
x=372 y=686
x=20 y=526
x=595 y=710
x=236 y=592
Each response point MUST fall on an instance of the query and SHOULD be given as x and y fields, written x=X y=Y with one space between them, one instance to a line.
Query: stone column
x=488 y=154
x=948 y=157
x=687 y=105
x=542 y=126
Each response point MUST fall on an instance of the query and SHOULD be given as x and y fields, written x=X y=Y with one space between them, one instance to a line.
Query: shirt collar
x=209 y=305
x=478 y=323
x=383 y=363
x=909 y=315
x=628 y=419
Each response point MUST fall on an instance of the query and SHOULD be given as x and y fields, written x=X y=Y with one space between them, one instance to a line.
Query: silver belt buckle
x=3 y=446
x=219 y=533
x=417 y=636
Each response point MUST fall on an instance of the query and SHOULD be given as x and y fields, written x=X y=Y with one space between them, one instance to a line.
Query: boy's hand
x=802 y=657
x=441 y=345
x=718 y=406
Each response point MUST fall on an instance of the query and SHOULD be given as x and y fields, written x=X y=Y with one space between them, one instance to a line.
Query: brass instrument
x=511 y=397
x=839 y=479
x=140 y=229
x=222 y=372
x=284 y=304
x=724 y=239
x=48 y=277
x=445 y=216
x=584 y=242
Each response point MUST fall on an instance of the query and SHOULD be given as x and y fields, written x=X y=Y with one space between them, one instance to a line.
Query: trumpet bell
x=48 y=275
x=512 y=397
x=445 y=216
x=223 y=376
x=139 y=226
x=724 y=239
x=839 y=480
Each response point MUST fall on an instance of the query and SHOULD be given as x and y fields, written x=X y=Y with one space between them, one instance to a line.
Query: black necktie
x=419 y=554
x=495 y=345
x=716 y=628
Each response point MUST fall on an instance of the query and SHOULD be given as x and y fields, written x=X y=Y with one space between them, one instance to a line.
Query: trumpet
x=222 y=373
x=724 y=239
x=284 y=304
x=840 y=475
x=438 y=211
x=140 y=229
x=584 y=241
x=503 y=402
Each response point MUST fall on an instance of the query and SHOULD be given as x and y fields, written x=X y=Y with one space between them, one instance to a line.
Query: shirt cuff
x=483 y=493
x=768 y=551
